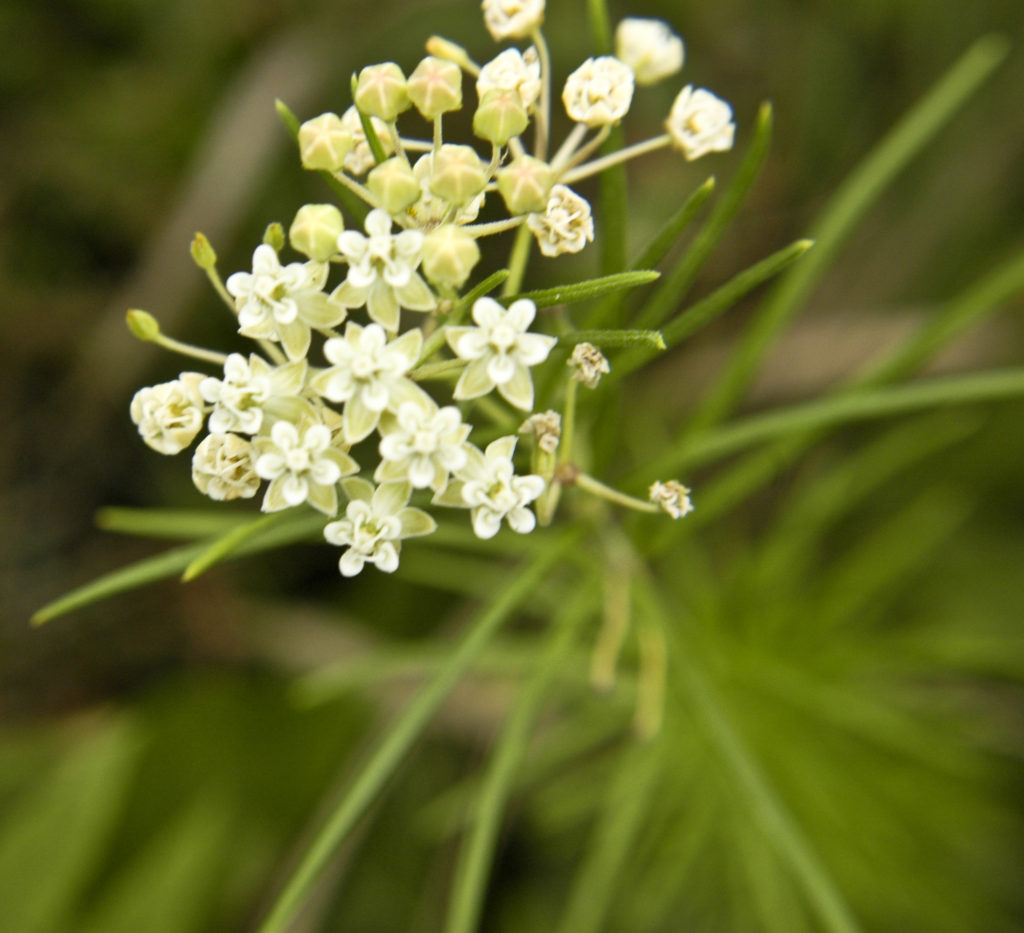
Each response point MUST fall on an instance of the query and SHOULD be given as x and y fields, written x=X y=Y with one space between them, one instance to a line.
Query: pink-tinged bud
x=449 y=255
x=457 y=174
x=394 y=185
x=500 y=116
x=525 y=184
x=382 y=91
x=324 y=142
x=435 y=87
x=314 y=231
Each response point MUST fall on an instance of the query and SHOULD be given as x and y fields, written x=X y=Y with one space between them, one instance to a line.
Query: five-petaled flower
x=500 y=351
x=375 y=522
x=423 y=444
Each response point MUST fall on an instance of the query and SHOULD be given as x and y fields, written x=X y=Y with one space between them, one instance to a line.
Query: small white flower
x=375 y=522
x=223 y=468
x=599 y=92
x=488 y=486
x=512 y=19
x=368 y=375
x=283 y=303
x=589 y=364
x=500 y=351
x=512 y=70
x=422 y=444
x=360 y=159
x=673 y=497
x=700 y=123
x=566 y=225
x=250 y=391
x=382 y=271
x=169 y=415
x=649 y=47
x=546 y=426
x=302 y=466
x=430 y=210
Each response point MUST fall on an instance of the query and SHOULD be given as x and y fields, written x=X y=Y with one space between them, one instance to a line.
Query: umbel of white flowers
x=331 y=398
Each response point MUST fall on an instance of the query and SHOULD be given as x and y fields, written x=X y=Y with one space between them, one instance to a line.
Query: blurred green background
x=155 y=772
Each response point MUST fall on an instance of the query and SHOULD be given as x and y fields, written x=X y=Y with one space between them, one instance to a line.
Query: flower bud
x=649 y=47
x=440 y=47
x=512 y=19
x=525 y=184
x=394 y=185
x=382 y=91
x=273 y=236
x=223 y=469
x=599 y=92
x=700 y=123
x=324 y=142
x=449 y=255
x=202 y=252
x=435 y=87
x=314 y=231
x=142 y=324
x=500 y=116
x=457 y=174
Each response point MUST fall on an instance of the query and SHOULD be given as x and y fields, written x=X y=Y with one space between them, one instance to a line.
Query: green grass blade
x=187 y=524
x=230 y=542
x=613 y=195
x=600 y=26
x=863 y=405
x=853 y=199
x=584 y=291
x=767 y=810
x=678 y=282
x=399 y=739
x=608 y=311
x=170 y=563
x=651 y=339
x=349 y=201
x=473 y=867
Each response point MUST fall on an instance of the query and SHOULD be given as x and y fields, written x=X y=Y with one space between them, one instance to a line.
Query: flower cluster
x=348 y=378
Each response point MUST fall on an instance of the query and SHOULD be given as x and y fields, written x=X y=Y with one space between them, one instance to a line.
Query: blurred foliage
x=842 y=742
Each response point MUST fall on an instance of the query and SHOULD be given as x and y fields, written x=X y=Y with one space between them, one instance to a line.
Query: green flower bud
x=435 y=87
x=273 y=236
x=449 y=255
x=440 y=47
x=142 y=324
x=324 y=142
x=381 y=91
x=394 y=185
x=202 y=252
x=314 y=231
x=525 y=184
x=457 y=174
x=500 y=116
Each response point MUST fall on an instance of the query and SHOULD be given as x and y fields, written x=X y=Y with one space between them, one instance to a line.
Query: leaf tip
x=804 y=245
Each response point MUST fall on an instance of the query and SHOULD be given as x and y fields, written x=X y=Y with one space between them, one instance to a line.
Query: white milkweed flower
x=283 y=303
x=360 y=159
x=382 y=271
x=589 y=364
x=546 y=426
x=375 y=522
x=672 y=496
x=512 y=19
x=566 y=225
x=368 y=375
x=599 y=92
x=169 y=415
x=250 y=391
x=422 y=444
x=488 y=486
x=649 y=47
x=512 y=70
x=223 y=467
x=500 y=351
x=700 y=123
x=302 y=465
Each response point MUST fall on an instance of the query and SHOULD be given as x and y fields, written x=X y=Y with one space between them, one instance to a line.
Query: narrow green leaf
x=862 y=405
x=399 y=739
x=230 y=542
x=608 y=310
x=369 y=130
x=473 y=866
x=349 y=201
x=613 y=195
x=767 y=809
x=849 y=204
x=583 y=291
x=652 y=339
x=682 y=276
x=170 y=563
x=53 y=838
x=600 y=26
x=168 y=523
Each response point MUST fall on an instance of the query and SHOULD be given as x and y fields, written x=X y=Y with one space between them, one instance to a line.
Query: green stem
x=398 y=740
x=517 y=261
x=622 y=155
x=543 y=119
x=597 y=488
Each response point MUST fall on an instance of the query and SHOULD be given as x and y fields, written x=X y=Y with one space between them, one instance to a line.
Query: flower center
x=363 y=367
x=503 y=337
x=297 y=459
x=424 y=442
